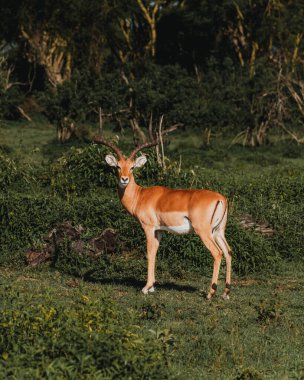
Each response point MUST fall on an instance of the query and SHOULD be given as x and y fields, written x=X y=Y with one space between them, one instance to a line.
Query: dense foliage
x=233 y=66
x=73 y=189
x=90 y=339
x=216 y=69
x=11 y=95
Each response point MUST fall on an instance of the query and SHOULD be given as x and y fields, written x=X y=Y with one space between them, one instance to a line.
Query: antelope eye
x=132 y=167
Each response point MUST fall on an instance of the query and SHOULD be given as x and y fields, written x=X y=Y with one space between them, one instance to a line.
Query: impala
x=159 y=209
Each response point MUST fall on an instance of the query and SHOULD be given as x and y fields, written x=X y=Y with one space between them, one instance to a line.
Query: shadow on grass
x=137 y=284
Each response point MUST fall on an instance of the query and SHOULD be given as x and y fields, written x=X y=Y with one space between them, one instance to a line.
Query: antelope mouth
x=123 y=185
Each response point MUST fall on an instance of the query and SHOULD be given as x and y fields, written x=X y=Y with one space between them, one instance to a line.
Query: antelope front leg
x=153 y=239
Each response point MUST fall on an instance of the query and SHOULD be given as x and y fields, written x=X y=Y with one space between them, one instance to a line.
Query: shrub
x=25 y=220
x=80 y=169
x=274 y=198
x=269 y=311
x=10 y=94
x=8 y=171
x=167 y=90
x=90 y=339
x=15 y=176
x=81 y=97
x=252 y=252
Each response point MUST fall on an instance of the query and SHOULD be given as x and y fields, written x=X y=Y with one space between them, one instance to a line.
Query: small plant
x=167 y=340
x=152 y=311
x=8 y=171
x=269 y=311
x=248 y=374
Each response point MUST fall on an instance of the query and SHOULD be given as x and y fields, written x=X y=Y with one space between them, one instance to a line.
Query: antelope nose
x=124 y=179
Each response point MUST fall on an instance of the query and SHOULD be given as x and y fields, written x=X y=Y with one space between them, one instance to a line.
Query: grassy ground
x=258 y=334
x=36 y=143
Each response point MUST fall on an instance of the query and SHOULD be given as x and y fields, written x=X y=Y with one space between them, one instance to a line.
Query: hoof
x=226 y=296
x=148 y=290
x=209 y=296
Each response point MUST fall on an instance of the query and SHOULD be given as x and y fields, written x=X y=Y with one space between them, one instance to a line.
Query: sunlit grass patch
x=86 y=337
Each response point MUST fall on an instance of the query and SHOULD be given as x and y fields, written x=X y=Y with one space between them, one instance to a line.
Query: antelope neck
x=129 y=195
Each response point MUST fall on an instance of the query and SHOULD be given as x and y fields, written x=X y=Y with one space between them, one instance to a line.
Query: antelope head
x=125 y=166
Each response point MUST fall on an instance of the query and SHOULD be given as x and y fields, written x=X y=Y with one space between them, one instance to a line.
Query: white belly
x=184 y=228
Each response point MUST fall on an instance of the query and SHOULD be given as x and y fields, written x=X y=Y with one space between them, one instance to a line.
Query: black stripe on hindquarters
x=219 y=223
x=215 y=208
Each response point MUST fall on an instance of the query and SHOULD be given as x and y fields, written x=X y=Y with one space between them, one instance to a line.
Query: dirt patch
x=105 y=243
x=248 y=223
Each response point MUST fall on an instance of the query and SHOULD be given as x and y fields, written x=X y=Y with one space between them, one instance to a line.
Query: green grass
x=27 y=141
x=175 y=332
x=36 y=143
x=257 y=334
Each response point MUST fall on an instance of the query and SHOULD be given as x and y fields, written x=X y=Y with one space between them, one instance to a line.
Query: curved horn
x=143 y=146
x=152 y=143
x=100 y=140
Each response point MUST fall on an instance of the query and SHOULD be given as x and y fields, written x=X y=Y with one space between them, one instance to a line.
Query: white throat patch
x=123 y=185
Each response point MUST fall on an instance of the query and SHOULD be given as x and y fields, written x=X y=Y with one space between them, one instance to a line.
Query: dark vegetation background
x=227 y=67
x=230 y=74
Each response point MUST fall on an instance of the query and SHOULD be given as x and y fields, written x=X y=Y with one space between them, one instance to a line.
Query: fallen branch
x=22 y=112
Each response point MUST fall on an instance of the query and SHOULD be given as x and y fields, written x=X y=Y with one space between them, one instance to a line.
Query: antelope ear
x=111 y=160
x=140 y=161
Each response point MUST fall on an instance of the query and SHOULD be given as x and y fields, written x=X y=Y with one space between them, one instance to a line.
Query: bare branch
x=161 y=141
x=137 y=131
x=21 y=110
x=100 y=121
x=154 y=142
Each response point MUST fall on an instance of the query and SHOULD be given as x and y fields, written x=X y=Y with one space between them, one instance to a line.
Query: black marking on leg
x=227 y=288
x=214 y=286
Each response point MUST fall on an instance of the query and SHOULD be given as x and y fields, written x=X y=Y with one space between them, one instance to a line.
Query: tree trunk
x=52 y=53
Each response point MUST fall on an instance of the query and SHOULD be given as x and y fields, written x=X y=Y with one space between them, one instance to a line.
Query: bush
x=8 y=171
x=80 y=98
x=271 y=199
x=13 y=175
x=81 y=169
x=228 y=100
x=167 y=90
x=10 y=94
x=274 y=198
x=90 y=339
x=251 y=252
x=25 y=220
